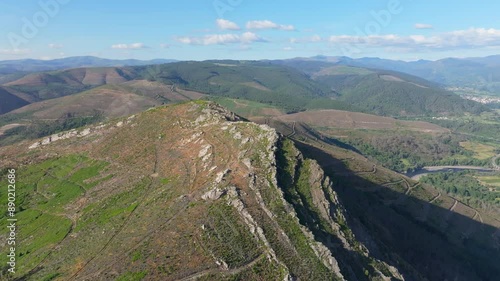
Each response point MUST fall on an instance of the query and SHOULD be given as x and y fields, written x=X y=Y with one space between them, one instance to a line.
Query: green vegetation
x=465 y=187
x=344 y=70
x=51 y=90
x=278 y=86
x=54 y=183
x=228 y=238
x=42 y=128
x=51 y=277
x=398 y=95
x=43 y=193
x=113 y=210
x=132 y=276
x=481 y=151
x=404 y=151
x=493 y=181
x=246 y=108
x=473 y=127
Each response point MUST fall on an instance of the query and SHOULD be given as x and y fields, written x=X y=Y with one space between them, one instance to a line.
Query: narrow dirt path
x=435 y=198
x=494 y=162
x=225 y=272
x=293 y=130
x=454 y=205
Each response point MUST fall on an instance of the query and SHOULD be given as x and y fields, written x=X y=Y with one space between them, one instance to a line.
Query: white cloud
x=225 y=24
x=315 y=38
x=423 y=26
x=287 y=49
x=469 y=38
x=267 y=24
x=164 y=46
x=15 y=52
x=221 y=39
x=311 y=39
x=55 y=46
x=133 y=46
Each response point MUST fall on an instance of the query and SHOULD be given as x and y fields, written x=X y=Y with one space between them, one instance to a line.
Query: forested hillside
x=387 y=94
x=280 y=86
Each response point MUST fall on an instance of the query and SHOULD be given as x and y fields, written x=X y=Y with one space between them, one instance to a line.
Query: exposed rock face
x=310 y=192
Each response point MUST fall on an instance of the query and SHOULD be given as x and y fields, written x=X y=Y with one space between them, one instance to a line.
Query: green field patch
x=57 y=193
x=43 y=192
x=132 y=276
x=490 y=180
x=53 y=184
x=111 y=210
x=481 y=151
x=38 y=233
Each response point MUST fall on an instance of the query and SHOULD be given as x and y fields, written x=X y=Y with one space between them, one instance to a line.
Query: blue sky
x=248 y=29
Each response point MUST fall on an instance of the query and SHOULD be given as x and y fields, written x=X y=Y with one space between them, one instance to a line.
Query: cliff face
x=323 y=218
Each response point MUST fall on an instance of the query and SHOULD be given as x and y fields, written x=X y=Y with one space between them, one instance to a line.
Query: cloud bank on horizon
x=398 y=29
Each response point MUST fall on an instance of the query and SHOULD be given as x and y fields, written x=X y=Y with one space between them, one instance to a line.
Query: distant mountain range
x=481 y=73
x=32 y=65
x=291 y=86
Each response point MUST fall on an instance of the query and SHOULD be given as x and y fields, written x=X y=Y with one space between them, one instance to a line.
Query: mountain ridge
x=225 y=179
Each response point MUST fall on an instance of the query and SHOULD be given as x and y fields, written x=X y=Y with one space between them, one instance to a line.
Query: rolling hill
x=291 y=86
x=263 y=82
x=383 y=92
x=389 y=94
x=10 y=101
x=48 y=85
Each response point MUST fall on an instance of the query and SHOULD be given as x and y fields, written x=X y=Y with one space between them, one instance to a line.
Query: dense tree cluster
x=465 y=187
x=398 y=98
x=405 y=152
